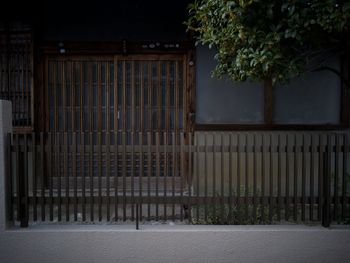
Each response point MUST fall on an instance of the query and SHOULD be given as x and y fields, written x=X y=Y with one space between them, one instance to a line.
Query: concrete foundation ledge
x=175 y=243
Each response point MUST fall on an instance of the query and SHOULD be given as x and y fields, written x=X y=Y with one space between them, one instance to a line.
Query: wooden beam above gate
x=154 y=47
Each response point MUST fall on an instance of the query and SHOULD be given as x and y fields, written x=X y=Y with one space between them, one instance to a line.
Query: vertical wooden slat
x=141 y=167
x=52 y=166
x=133 y=97
x=31 y=107
x=116 y=137
x=230 y=179
x=91 y=95
x=182 y=169
x=336 y=175
x=167 y=98
x=157 y=174
x=287 y=204
x=214 y=176
x=222 y=194
x=82 y=174
x=34 y=174
x=42 y=179
x=91 y=157
x=176 y=96
x=206 y=177
x=28 y=86
x=165 y=172
x=64 y=95
x=21 y=79
x=30 y=117
x=116 y=172
x=73 y=96
x=58 y=174
x=108 y=129
x=82 y=102
x=254 y=178
x=124 y=172
x=54 y=68
x=18 y=179
x=320 y=177
x=132 y=135
x=107 y=96
x=99 y=97
x=99 y=160
x=295 y=186
x=174 y=170
x=279 y=179
x=132 y=172
x=124 y=119
x=312 y=178
x=150 y=91
x=271 y=207
x=344 y=175
x=124 y=109
x=74 y=140
x=115 y=94
x=246 y=170
x=142 y=101
x=25 y=201
x=149 y=173
x=108 y=170
x=326 y=217
x=263 y=167
x=159 y=97
x=66 y=173
x=303 y=178
x=74 y=173
x=189 y=174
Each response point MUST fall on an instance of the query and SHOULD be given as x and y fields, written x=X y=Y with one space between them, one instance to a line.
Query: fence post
x=326 y=184
x=22 y=167
x=5 y=129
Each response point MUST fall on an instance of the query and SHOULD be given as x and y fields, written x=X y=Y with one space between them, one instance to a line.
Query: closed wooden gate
x=116 y=124
x=121 y=93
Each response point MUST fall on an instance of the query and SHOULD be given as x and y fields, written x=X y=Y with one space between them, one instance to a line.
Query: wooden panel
x=16 y=74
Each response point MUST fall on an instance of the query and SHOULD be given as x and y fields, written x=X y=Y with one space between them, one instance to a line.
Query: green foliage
x=258 y=39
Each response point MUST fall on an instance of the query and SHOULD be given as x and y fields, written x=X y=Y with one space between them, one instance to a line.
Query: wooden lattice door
x=125 y=101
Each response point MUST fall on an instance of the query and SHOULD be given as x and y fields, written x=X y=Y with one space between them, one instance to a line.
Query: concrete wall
x=5 y=128
x=165 y=243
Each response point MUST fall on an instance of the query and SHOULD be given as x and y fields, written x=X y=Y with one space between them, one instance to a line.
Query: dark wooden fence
x=202 y=178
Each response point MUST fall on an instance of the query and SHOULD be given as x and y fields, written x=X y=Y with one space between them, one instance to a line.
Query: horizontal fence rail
x=203 y=178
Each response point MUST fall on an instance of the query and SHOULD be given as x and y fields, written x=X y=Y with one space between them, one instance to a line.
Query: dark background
x=101 y=20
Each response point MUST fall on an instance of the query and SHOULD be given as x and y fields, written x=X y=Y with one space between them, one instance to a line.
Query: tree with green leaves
x=270 y=39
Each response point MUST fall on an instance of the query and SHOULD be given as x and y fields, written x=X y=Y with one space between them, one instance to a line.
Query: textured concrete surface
x=5 y=128
x=167 y=243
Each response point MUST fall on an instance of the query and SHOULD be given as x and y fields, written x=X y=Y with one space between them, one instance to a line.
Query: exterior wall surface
x=313 y=98
x=5 y=128
x=165 y=243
